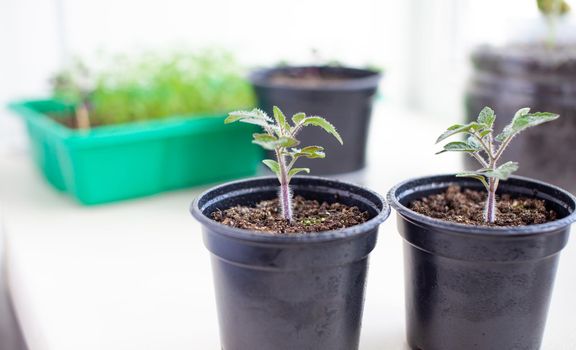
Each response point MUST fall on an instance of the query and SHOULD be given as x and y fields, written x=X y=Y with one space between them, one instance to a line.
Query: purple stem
x=285 y=195
x=490 y=210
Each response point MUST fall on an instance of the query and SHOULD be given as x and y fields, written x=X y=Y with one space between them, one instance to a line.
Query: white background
x=422 y=44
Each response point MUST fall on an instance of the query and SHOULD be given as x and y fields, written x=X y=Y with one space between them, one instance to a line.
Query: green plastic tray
x=111 y=163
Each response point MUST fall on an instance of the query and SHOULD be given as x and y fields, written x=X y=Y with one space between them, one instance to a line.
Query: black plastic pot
x=288 y=292
x=482 y=288
x=346 y=103
x=512 y=77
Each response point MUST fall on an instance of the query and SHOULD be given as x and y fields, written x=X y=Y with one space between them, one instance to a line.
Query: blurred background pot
x=474 y=287
x=286 y=292
x=512 y=77
x=342 y=95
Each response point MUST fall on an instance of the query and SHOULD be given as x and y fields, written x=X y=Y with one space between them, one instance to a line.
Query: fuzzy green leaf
x=503 y=172
x=309 y=152
x=312 y=149
x=287 y=141
x=295 y=171
x=248 y=116
x=273 y=165
x=232 y=118
x=264 y=137
x=524 y=120
x=521 y=112
x=266 y=145
x=474 y=143
x=475 y=175
x=487 y=117
x=458 y=129
x=324 y=124
x=297 y=118
x=484 y=133
x=280 y=142
x=459 y=146
x=280 y=118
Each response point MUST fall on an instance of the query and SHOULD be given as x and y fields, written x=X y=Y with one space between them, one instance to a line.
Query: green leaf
x=264 y=137
x=487 y=117
x=324 y=124
x=274 y=143
x=309 y=152
x=273 y=165
x=521 y=112
x=503 y=172
x=287 y=141
x=312 y=149
x=232 y=118
x=459 y=146
x=245 y=116
x=266 y=145
x=295 y=171
x=280 y=118
x=475 y=175
x=458 y=129
x=474 y=143
x=297 y=118
x=485 y=133
x=524 y=120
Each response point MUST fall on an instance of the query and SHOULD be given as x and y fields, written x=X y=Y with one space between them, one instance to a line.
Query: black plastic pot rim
x=488 y=231
x=259 y=77
x=303 y=238
x=514 y=53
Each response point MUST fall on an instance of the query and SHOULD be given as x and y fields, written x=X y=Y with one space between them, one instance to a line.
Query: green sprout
x=487 y=149
x=75 y=85
x=552 y=10
x=280 y=137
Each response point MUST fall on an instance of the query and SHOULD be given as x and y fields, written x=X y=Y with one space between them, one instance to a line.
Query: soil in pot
x=309 y=216
x=308 y=77
x=466 y=206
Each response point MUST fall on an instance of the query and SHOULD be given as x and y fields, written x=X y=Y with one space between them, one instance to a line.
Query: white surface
x=136 y=276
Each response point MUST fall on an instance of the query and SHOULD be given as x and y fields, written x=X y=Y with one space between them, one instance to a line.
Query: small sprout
x=280 y=136
x=76 y=86
x=488 y=149
x=552 y=10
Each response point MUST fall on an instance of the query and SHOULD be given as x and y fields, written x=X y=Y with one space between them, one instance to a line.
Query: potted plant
x=481 y=256
x=289 y=254
x=541 y=74
x=141 y=125
x=346 y=94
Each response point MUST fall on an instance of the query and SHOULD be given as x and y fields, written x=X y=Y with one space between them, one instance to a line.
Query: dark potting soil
x=466 y=206
x=307 y=77
x=308 y=216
